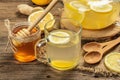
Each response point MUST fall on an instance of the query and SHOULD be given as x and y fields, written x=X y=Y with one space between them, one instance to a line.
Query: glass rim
x=76 y=33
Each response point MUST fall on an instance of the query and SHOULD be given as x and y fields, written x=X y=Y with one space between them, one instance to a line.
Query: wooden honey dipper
x=25 y=32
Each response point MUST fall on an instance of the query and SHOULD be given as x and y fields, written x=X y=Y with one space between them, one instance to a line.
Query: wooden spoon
x=95 y=51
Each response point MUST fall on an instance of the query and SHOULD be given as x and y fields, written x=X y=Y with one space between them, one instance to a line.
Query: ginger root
x=27 y=10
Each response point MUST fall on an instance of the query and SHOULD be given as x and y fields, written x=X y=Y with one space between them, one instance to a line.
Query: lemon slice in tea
x=76 y=11
x=112 y=61
x=42 y=23
x=100 y=6
x=59 y=37
x=79 y=6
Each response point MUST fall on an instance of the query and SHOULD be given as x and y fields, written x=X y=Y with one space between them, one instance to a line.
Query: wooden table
x=10 y=69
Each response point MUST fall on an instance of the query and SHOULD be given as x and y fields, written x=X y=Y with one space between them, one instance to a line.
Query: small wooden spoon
x=97 y=50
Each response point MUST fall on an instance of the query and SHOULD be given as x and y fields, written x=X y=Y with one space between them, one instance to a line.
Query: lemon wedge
x=100 y=6
x=59 y=37
x=42 y=23
x=112 y=61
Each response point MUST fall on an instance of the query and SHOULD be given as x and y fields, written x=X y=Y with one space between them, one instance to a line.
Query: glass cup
x=63 y=45
x=23 y=48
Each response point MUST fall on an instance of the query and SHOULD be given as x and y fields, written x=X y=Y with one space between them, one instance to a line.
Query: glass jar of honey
x=23 y=48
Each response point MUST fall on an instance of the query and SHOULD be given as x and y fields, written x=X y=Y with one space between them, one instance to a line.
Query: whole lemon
x=41 y=2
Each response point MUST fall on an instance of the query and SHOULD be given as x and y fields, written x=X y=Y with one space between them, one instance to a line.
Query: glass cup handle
x=40 y=52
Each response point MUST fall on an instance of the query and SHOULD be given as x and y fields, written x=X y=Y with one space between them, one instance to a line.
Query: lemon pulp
x=59 y=37
x=112 y=61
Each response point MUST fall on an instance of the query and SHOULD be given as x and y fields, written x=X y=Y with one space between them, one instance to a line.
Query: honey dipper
x=25 y=32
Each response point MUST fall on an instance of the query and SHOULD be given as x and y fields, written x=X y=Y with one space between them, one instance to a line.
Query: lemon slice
x=112 y=61
x=79 y=6
x=62 y=65
x=59 y=37
x=100 y=6
x=41 y=2
x=76 y=11
x=42 y=23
